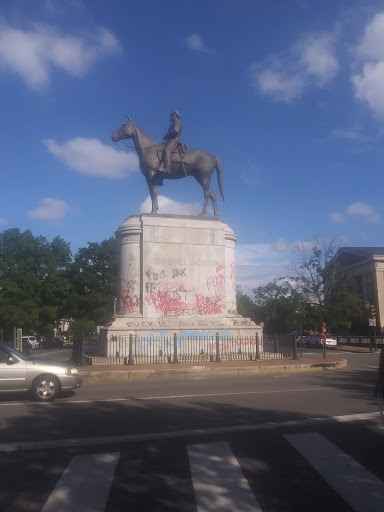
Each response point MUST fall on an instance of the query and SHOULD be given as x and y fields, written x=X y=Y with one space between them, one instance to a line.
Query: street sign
x=372 y=322
x=323 y=333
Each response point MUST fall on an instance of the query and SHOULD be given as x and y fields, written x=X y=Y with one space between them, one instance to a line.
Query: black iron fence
x=185 y=349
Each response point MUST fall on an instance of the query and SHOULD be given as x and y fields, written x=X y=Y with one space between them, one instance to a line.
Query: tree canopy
x=33 y=281
x=40 y=282
x=309 y=294
x=92 y=281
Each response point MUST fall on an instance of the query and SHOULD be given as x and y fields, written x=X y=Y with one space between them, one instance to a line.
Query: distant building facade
x=363 y=268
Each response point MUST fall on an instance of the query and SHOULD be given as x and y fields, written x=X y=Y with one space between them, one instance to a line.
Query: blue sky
x=289 y=96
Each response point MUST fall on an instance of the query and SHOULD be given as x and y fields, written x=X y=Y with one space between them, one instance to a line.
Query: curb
x=94 y=376
x=356 y=350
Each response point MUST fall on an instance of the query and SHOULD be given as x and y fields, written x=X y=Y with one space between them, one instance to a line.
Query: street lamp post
x=367 y=306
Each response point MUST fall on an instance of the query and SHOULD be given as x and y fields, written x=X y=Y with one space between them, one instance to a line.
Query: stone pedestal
x=177 y=275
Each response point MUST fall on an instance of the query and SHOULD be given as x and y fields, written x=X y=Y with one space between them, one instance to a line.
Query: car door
x=13 y=377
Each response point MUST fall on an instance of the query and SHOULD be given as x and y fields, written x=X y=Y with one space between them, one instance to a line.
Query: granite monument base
x=176 y=276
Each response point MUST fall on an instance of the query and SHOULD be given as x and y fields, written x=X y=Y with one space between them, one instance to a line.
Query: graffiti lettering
x=176 y=272
x=141 y=324
x=242 y=322
x=155 y=275
x=167 y=302
x=209 y=305
x=130 y=303
x=216 y=282
x=150 y=287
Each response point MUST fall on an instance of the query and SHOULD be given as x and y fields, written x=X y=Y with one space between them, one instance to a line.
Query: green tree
x=33 y=282
x=245 y=305
x=93 y=282
x=81 y=327
x=310 y=294
x=312 y=272
x=341 y=308
x=278 y=305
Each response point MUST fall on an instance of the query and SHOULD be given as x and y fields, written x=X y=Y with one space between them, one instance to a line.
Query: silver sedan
x=44 y=379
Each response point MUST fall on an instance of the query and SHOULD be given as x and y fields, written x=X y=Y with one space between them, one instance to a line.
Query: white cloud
x=359 y=210
x=369 y=56
x=258 y=264
x=167 y=205
x=368 y=86
x=3 y=221
x=337 y=217
x=372 y=45
x=90 y=156
x=278 y=84
x=311 y=62
x=316 y=57
x=196 y=43
x=346 y=134
x=33 y=54
x=280 y=245
x=364 y=211
x=50 y=209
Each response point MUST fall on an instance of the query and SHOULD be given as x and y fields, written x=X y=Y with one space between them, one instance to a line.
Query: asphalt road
x=280 y=443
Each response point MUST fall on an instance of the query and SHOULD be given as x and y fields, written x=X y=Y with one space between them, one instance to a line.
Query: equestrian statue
x=172 y=160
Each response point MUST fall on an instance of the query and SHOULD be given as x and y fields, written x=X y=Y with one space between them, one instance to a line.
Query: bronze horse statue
x=193 y=162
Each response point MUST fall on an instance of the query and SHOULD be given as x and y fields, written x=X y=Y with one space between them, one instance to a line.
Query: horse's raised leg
x=153 y=193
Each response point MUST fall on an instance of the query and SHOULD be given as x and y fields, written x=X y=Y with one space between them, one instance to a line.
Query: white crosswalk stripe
x=251 y=474
x=218 y=482
x=360 y=488
x=84 y=485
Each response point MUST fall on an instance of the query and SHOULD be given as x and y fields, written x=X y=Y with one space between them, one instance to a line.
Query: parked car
x=296 y=335
x=315 y=339
x=27 y=347
x=51 y=343
x=32 y=340
x=44 y=379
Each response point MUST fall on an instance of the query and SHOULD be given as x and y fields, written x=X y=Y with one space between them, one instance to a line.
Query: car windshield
x=18 y=353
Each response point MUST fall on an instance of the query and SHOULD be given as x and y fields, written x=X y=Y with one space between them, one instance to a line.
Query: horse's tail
x=219 y=170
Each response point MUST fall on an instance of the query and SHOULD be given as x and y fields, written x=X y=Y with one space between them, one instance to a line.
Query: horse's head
x=125 y=131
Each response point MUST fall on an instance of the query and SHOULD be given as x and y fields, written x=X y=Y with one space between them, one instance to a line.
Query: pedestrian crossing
x=324 y=467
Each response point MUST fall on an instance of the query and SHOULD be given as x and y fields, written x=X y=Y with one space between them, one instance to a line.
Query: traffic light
x=373 y=311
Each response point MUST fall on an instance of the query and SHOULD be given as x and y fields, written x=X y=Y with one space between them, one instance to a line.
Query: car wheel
x=45 y=388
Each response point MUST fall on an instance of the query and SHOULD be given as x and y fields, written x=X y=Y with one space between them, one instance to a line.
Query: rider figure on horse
x=172 y=138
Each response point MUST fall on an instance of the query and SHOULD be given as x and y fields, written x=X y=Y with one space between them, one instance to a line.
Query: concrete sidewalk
x=168 y=371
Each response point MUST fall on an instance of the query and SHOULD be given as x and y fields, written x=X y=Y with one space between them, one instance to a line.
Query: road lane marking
x=379 y=429
x=360 y=488
x=218 y=481
x=84 y=485
x=165 y=397
x=128 y=438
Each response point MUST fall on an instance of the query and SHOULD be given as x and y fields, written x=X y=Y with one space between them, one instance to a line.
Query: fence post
x=276 y=344
x=294 y=346
x=218 y=359
x=130 y=354
x=175 y=359
x=257 y=347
